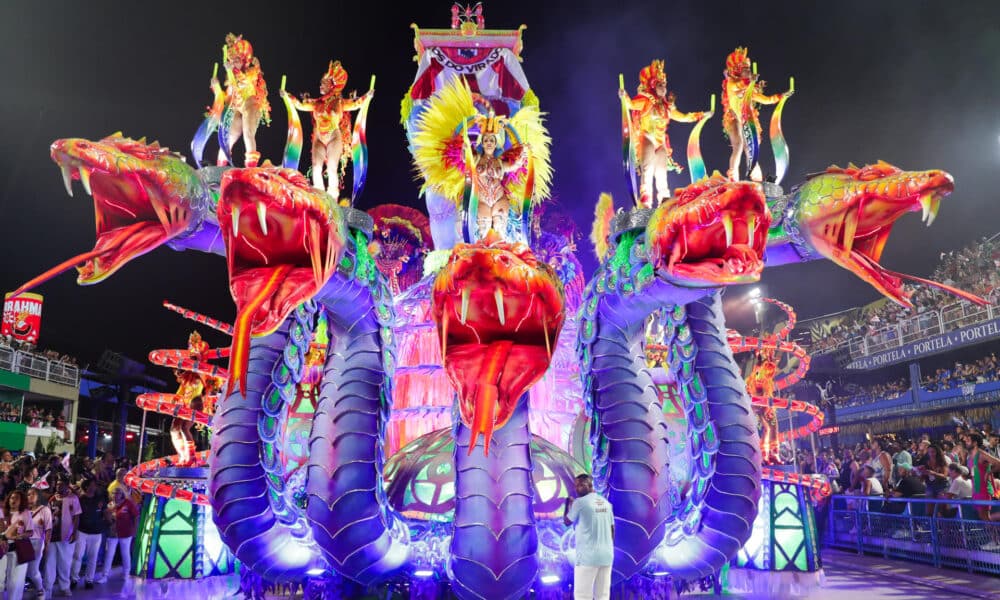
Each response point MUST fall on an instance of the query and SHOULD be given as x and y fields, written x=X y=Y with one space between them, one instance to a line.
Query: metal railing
x=917 y=529
x=882 y=409
x=7 y=358
x=920 y=326
x=39 y=367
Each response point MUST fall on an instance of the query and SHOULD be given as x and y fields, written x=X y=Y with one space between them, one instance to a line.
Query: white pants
x=591 y=583
x=88 y=544
x=15 y=576
x=125 y=544
x=33 y=573
x=58 y=561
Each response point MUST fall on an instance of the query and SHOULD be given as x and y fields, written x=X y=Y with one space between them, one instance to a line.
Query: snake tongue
x=487 y=394
x=255 y=296
x=484 y=417
x=267 y=295
x=490 y=378
x=498 y=313
x=85 y=262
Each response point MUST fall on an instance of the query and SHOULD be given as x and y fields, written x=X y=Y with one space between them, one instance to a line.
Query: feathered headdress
x=490 y=124
x=737 y=60
x=335 y=77
x=652 y=75
x=196 y=345
x=239 y=52
x=439 y=142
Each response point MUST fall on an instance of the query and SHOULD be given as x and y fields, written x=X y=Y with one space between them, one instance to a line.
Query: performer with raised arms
x=652 y=109
x=742 y=91
x=331 y=126
x=193 y=388
x=246 y=100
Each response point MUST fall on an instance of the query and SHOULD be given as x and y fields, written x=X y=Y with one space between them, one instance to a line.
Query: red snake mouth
x=714 y=232
x=282 y=240
x=855 y=236
x=499 y=313
x=133 y=213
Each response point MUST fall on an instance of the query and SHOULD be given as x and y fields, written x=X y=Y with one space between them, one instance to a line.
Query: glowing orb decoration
x=420 y=478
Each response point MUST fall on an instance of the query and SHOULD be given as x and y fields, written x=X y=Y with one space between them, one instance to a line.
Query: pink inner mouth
x=874 y=218
x=131 y=218
x=706 y=253
x=499 y=313
x=299 y=240
x=122 y=202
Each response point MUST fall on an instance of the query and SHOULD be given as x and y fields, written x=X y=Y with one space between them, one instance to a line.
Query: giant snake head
x=283 y=239
x=144 y=196
x=499 y=312
x=847 y=215
x=711 y=233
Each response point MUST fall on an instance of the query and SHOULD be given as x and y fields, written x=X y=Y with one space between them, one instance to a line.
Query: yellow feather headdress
x=439 y=141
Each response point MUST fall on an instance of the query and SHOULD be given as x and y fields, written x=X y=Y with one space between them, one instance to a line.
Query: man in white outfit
x=59 y=551
x=594 y=525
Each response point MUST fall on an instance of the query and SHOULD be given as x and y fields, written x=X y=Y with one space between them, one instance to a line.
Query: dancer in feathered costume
x=193 y=388
x=246 y=96
x=507 y=164
x=652 y=109
x=760 y=383
x=739 y=111
x=331 y=126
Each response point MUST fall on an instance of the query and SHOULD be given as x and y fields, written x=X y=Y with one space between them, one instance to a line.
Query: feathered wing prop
x=439 y=153
x=438 y=140
x=603 y=214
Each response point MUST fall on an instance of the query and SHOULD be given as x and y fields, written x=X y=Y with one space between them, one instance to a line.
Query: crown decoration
x=336 y=76
x=737 y=60
x=468 y=18
x=490 y=124
x=652 y=75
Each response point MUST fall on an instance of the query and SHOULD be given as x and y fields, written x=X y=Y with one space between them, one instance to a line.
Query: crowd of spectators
x=7 y=341
x=34 y=416
x=66 y=507
x=890 y=467
x=38 y=416
x=841 y=395
x=874 y=393
x=975 y=269
x=984 y=370
x=837 y=394
x=10 y=412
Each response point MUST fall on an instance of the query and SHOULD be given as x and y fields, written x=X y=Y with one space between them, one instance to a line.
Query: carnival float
x=408 y=396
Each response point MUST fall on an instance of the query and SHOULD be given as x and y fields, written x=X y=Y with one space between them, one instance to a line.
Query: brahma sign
x=22 y=317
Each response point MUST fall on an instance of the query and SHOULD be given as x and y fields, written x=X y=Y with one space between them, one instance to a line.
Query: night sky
x=914 y=83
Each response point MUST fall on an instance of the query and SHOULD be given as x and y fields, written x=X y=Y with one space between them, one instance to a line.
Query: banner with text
x=822 y=327
x=22 y=317
x=926 y=347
